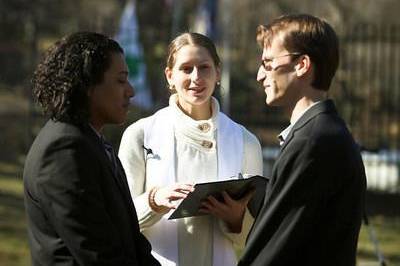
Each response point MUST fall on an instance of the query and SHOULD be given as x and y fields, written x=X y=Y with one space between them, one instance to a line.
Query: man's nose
x=261 y=75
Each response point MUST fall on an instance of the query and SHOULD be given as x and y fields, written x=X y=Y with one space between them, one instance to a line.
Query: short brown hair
x=306 y=34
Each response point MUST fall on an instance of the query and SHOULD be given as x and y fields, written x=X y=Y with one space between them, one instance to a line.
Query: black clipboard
x=236 y=187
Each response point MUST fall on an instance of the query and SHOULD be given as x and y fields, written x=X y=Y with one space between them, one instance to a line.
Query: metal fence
x=381 y=168
x=368 y=84
x=367 y=92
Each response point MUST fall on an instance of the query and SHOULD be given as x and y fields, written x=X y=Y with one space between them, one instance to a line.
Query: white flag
x=128 y=38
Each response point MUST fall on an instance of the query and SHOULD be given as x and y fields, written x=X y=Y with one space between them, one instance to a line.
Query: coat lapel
x=322 y=107
x=119 y=174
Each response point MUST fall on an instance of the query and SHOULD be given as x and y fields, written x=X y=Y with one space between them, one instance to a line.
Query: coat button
x=207 y=144
x=205 y=127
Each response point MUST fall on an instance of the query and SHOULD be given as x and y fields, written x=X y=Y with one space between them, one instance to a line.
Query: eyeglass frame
x=271 y=60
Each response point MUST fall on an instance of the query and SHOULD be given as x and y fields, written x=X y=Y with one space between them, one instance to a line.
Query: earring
x=172 y=88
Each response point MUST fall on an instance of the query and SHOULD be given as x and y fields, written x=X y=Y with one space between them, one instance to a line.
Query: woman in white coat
x=189 y=142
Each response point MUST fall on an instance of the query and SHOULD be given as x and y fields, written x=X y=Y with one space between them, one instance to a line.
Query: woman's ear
x=303 y=65
x=218 y=69
x=168 y=74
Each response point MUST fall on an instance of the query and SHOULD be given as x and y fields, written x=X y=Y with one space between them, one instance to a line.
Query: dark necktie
x=111 y=154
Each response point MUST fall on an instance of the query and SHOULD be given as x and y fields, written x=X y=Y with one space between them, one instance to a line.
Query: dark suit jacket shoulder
x=79 y=211
x=315 y=198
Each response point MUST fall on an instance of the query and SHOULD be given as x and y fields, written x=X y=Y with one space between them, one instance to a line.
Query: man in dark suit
x=315 y=198
x=76 y=196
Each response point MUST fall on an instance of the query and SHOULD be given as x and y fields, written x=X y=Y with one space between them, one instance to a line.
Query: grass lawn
x=14 y=250
x=387 y=231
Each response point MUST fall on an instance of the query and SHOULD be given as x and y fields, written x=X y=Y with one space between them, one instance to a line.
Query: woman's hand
x=166 y=197
x=230 y=211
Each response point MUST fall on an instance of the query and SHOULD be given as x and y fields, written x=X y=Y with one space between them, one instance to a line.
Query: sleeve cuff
x=239 y=239
x=146 y=216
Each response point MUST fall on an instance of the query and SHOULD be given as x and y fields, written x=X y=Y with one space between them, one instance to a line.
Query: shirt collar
x=95 y=131
x=284 y=134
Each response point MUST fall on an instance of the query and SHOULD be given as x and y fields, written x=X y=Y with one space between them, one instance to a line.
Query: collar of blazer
x=118 y=175
x=325 y=106
x=97 y=143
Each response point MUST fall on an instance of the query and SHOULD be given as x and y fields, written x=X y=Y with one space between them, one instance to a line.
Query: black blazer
x=315 y=199
x=79 y=212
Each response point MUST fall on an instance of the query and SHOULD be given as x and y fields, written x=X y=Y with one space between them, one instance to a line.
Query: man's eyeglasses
x=267 y=63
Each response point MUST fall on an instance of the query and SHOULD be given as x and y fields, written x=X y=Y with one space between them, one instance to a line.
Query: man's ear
x=303 y=65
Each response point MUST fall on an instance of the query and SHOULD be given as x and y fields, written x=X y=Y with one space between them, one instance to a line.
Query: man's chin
x=269 y=102
x=272 y=103
x=118 y=121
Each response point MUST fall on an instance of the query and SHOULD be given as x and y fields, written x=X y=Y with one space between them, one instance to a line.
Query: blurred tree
x=155 y=26
x=30 y=26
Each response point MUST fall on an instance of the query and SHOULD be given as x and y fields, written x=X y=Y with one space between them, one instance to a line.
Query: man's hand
x=230 y=211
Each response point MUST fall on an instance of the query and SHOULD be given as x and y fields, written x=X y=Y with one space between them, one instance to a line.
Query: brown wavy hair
x=69 y=68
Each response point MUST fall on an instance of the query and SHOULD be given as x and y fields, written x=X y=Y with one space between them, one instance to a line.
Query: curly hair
x=69 y=68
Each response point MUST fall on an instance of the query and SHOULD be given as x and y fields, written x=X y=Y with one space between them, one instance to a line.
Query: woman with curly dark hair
x=77 y=200
x=70 y=67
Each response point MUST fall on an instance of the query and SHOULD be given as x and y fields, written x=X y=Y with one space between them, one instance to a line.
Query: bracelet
x=152 y=203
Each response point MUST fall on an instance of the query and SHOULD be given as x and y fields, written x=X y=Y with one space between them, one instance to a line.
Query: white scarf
x=159 y=136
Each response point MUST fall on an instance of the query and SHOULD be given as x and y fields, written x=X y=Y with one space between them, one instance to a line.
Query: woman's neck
x=196 y=112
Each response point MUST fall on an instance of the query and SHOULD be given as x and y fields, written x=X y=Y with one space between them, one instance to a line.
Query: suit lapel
x=323 y=107
x=118 y=175
x=326 y=106
x=121 y=177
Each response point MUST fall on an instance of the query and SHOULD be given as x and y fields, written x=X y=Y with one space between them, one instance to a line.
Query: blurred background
x=366 y=88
